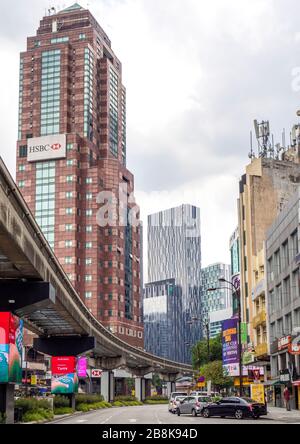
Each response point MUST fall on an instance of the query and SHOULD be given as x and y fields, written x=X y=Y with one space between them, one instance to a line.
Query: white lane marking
x=104 y=422
x=133 y=420
x=158 y=420
x=80 y=421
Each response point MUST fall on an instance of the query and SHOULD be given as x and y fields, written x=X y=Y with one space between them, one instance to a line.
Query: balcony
x=261 y=350
x=259 y=319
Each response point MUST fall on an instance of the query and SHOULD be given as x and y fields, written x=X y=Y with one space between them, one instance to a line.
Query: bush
x=157 y=398
x=61 y=401
x=83 y=407
x=118 y=404
x=63 y=411
x=37 y=415
x=125 y=398
x=88 y=399
x=153 y=402
x=29 y=404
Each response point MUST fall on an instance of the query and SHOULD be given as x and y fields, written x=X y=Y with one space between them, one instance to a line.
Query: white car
x=173 y=396
x=174 y=403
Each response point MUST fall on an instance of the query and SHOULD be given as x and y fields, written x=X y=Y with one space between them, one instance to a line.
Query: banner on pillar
x=11 y=344
x=64 y=379
x=82 y=365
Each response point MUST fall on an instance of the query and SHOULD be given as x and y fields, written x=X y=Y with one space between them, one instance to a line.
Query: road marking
x=81 y=421
x=104 y=422
x=158 y=420
x=133 y=420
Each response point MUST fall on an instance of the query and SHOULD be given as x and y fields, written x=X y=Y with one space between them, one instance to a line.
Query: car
x=173 y=406
x=193 y=405
x=199 y=393
x=235 y=407
x=173 y=396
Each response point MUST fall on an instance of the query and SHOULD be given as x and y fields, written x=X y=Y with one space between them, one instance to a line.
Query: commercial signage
x=233 y=370
x=284 y=343
x=11 y=344
x=33 y=380
x=82 y=367
x=64 y=384
x=258 y=393
x=294 y=347
x=96 y=373
x=63 y=365
x=285 y=376
x=230 y=348
x=47 y=148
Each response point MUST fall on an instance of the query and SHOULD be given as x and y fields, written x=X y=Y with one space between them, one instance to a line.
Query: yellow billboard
x=258 y=393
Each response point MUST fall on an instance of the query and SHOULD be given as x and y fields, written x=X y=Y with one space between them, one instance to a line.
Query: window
x=60 y=40
x=82 y=36
x=89 y=228
x=68 y=243
x=23 y=151
x=69 y=227
x=69 y=179
x=69 y=146
x=88 y=261
x=69 y=195
x=21 y=183
x=88 y=245
x=89 y=196
x=88 y=278
x=69 y=211
x=70 y=162
x=50 y=93
x=88 y=180
x=89 y=213
x=68 y=260
x=22 y=167
x=88 y=295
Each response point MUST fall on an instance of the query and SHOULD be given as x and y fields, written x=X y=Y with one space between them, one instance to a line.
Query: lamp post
x=236 y=289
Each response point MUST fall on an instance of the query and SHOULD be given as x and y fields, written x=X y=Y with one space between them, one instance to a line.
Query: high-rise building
x=217 y=304
x=174 y=252
x=164 y=329
x=71 y=164
x=264 y=190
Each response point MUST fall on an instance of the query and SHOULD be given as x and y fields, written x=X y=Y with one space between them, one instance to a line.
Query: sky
x=197 y=74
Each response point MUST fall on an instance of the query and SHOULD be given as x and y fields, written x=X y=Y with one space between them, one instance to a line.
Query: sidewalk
x=278 y=414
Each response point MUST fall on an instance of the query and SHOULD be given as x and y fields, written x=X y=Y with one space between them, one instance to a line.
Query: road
x=155 y=415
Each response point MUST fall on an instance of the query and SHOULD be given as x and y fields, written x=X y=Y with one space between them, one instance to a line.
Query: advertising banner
x=47 y=148
x=82 y=367
x=230 y=342
x=64 y=384
x=258 y=393
x=63 y=365
x=11 y=343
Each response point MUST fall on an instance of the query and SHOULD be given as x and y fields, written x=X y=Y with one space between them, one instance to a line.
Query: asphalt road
x=154 y=415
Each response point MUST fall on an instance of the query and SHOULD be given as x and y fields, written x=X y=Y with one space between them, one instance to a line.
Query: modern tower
x=71 y=164
x=174 y=253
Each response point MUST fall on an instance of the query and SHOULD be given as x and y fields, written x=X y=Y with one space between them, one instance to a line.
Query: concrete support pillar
x=171 y=387
x=140 y=389
x=72 y=401
x=7 y=402
x=108 y=386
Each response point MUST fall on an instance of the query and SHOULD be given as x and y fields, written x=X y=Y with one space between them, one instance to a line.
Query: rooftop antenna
x=262 y=131
x=251 y=154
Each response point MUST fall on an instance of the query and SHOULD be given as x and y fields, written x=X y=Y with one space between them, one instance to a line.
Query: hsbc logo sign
x=47 y=148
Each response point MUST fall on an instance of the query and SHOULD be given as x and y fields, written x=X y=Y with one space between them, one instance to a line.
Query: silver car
x=193 y=405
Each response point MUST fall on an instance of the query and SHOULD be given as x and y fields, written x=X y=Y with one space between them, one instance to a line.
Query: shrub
x=82 y=407
x=125 y=398
x=157 y=398
x=61 y=401
x=118 y=404
x=153 y=402
x=31 y=416
x=30 y=404
x=63 y=411
x=88 y=399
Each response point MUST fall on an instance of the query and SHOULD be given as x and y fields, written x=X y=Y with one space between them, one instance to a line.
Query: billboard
x=11 y=344
x=258 y=393
x=82 y=367
x=47 y=148
x=230 y=347
x=64 y=384
x=63 y=365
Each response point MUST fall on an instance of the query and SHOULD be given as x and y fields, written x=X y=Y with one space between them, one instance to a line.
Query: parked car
x=204 y=393
x=193 y=405
x=173 y=396
x=174 y=403
x=235 y=407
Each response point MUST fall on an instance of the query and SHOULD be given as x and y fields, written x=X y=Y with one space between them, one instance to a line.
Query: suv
x=172 y=398
x=193 y=405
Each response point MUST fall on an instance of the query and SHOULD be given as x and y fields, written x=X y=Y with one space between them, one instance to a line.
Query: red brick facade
x=98 y=271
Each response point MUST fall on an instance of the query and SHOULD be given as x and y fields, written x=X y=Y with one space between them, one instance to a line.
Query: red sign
x=63 y=365
x=284 y=343
x=8 y=327
x=56 y=146
x=96 y=373
x=294 y=349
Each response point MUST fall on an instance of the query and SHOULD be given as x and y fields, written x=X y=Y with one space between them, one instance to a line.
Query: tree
x=157 y=383
x=214 y=372
x=200 y=352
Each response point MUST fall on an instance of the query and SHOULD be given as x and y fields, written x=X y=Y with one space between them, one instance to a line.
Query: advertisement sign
x=96 y=373
x=82 y=364
x=63 y=365
x=33 y=380
x=64 y=384
x=283 y=343
x=258 y=393
x=11 y=343
x=47 y=148
x=294 y=347
x=230 y=342
x=233 y=370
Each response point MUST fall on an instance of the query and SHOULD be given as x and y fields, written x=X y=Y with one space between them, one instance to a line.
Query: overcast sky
x=197 y=74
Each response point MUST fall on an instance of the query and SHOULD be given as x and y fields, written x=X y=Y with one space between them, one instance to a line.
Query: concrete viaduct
x=34 y=286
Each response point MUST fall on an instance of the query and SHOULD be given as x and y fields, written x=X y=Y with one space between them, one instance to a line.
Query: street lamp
x=236 y=289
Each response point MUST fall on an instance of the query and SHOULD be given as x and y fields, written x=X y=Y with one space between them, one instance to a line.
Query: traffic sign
x=96 y=373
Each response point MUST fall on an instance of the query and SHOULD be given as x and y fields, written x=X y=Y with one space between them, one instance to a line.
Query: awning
x=276 y=383
x=296 y=383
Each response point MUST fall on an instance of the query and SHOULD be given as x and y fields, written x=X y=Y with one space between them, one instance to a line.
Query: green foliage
x=61 y=401
x=2 y=418
x=130 y=382
x=156 y=381
x=157 y=398
x=63 y=411
x=32 y=404
x=214 y=372
x=200 y=352
x=37 y=415
x=153 y=402
x=125 y=398
x=88 y=399
x=118 y=404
